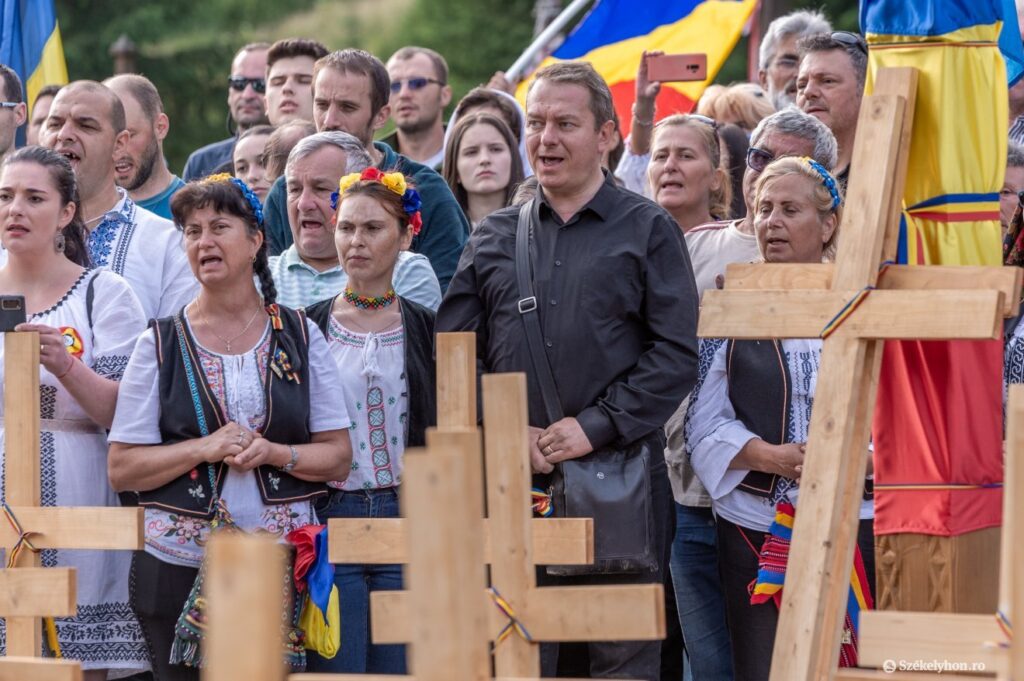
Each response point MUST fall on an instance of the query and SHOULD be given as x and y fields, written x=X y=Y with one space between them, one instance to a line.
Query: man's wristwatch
x=287 y=468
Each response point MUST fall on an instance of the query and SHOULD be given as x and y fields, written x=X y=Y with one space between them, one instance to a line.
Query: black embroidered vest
x=759 y=389
x=287 y=415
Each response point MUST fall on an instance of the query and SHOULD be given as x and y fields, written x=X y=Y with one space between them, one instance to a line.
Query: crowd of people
x=253 y=342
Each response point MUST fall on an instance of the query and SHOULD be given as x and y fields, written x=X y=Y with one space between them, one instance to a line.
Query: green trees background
x=185 y=48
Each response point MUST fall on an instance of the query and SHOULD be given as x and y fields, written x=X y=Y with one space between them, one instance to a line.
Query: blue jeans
x=355 y=582
x=699 y=597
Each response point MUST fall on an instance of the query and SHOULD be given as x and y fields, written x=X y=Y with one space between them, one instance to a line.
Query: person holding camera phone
x=87 y=321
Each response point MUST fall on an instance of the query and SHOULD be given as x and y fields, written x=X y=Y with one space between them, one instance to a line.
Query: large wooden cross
x=49 y=527
x=450 y=632
x=964 y=642
x=514 y=542
x=798 y=301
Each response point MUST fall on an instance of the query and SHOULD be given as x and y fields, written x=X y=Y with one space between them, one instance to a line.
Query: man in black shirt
x=617 y=304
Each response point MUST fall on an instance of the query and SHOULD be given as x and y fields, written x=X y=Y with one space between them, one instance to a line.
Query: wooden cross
x=450 y=631
x=49 y=527
x=798 y=301
x=555 y=541
x=970 y=642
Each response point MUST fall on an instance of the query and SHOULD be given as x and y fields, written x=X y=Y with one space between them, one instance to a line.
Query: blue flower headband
x=826 y=179
x=250 y=195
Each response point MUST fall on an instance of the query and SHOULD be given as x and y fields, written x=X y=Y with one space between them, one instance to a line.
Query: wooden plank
x=38 y=592
x=506 y=448
x=21 y=461
x=879 y=675
x=762 y=276
x=873 y=184
x=573 y=613
x=244 y=638
x=901 y=82
x=464 y=439
x=892 y=635
x=882 y=315
x=395 y=677
x=381 y=541
x=36 y=669
x=1013 y=531
x=446 y=548
x=72 y=527
x=456 y=380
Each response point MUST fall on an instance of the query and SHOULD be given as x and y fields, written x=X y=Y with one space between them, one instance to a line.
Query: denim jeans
x=699 y=595
x=355 y=582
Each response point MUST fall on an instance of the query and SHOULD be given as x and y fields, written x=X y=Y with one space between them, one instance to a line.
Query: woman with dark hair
x=384 y=345
x=248 y=159
x=481 y=165
x=87 y=322
x=228 y=411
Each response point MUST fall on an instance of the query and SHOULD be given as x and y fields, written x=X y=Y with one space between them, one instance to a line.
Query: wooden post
x=21 y=463
x=456 y=381
x=243 y=589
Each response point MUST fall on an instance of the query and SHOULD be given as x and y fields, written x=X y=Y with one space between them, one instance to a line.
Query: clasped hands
x=561 y=441
x=241 y=448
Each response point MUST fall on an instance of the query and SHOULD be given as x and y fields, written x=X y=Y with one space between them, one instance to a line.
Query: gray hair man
x=778 y=58
x=308 y=271
x=13 y=111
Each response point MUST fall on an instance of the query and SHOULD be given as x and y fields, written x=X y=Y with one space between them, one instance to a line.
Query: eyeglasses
x=8 y=105
x=413 y=83
x=758 y=159
x=259 y=85
x=847 y=39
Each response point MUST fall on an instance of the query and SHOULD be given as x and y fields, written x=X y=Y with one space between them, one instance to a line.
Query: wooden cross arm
x=389 y=677
x=70 y=527
x=890 y=315
x=761 y=276
x=959 y=638
x=38 y=592
x=556 y=541
x=38 y=669
x=850 y=674
x=571 y=613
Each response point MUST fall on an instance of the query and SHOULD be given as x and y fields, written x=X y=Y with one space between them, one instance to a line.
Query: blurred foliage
x=186 y=48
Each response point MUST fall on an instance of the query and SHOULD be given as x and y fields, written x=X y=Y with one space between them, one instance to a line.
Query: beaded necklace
x=368 y=302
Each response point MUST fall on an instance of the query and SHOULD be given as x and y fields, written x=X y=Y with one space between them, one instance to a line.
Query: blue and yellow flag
x=30 y=44
x=615 y=33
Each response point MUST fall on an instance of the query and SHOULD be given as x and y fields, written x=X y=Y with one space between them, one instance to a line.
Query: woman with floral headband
x=227 y=414
x=384 y=345
x=747 y=423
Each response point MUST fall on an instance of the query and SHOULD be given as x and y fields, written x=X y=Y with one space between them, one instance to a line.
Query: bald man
x=87 y=125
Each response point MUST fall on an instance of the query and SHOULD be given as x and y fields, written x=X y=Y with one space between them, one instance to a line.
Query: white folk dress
x=73 y=466
x=373 y=381
x=238 y=383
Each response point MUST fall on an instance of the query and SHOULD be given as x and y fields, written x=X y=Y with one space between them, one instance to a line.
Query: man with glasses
x=13 y=111
x=778 y=57
x=830 y=85
x=246 y=87
x=419 y=94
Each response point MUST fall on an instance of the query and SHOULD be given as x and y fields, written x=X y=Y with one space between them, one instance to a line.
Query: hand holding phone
x=667 y=68
x=12 y=312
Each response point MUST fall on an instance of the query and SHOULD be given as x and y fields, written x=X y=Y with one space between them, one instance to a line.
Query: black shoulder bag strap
x=531 y=321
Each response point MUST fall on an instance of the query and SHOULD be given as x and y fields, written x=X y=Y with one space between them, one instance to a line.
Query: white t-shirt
x=237 y=381
x=714 y=245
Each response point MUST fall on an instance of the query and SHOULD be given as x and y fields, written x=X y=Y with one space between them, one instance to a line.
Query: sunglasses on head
x=413 y=83
x=8 y=105
x=758 y=159
x=259 y=85
x=706 y=120
x=847 y=39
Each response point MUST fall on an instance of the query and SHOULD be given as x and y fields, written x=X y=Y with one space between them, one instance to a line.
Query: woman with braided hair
x=227 y=412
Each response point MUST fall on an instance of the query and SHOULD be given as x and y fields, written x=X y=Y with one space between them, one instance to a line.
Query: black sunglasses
x=847 y=39
x=414 y=84
x=259 y=85
x=758 y=159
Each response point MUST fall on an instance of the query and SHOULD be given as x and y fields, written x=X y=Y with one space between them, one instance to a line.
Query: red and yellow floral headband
x=395 y=181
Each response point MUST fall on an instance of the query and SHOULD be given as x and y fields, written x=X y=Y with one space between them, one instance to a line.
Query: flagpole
x=515 y=72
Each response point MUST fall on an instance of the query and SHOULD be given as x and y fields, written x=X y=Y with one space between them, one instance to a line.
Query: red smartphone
x=668 y=68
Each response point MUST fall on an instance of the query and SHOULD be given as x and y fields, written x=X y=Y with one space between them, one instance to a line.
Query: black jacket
x=420 y=372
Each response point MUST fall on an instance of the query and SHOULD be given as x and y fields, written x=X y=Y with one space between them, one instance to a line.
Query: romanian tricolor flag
x=938 y=418
x=30 y=44
x=615 y=34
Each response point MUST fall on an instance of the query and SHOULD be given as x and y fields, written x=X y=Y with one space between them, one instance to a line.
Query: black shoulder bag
x=610 y=485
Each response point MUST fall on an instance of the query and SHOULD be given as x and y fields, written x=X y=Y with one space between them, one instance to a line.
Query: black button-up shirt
x=617 y=303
